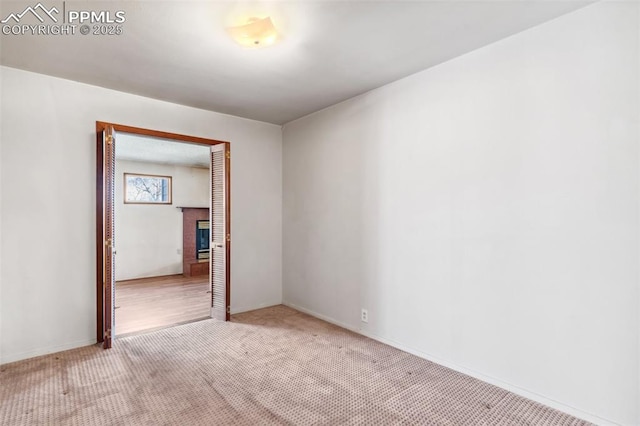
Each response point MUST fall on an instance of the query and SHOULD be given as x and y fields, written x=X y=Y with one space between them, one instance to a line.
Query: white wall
x=485 y=212
x=149 y=237
x=48 y=177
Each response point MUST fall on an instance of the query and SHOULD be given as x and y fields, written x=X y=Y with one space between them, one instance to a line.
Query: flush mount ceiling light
x=257 y=32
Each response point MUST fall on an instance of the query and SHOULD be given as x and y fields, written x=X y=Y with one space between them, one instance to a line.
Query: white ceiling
x=330 y=50
x=161 y=151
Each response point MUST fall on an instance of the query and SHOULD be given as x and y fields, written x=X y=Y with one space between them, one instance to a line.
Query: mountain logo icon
x=38 y=11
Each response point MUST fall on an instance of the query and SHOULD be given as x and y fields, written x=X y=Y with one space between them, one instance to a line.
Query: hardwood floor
x=149 y=303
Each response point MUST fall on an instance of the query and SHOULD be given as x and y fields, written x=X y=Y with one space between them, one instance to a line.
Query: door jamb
x=100 y=127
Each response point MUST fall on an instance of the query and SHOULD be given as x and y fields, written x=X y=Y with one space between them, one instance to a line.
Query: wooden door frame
x=101 y=126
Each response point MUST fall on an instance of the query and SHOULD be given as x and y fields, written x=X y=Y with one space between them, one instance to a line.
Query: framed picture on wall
x=147 y=189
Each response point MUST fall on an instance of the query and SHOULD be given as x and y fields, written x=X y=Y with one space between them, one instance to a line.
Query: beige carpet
x=272 y=366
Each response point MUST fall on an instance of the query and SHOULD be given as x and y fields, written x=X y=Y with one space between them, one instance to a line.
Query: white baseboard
x=6 y=359
x=469 y=372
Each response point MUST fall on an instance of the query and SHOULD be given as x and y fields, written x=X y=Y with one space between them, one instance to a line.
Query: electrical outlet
x=364 y=315
x=179 y=251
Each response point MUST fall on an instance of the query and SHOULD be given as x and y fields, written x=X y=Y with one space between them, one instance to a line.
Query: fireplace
x=195 y=241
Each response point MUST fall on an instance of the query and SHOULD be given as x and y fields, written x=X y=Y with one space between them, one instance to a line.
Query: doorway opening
x=163 y=230
x=161 y=227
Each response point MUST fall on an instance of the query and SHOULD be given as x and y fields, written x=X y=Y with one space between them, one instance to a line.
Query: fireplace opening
x=202 y=239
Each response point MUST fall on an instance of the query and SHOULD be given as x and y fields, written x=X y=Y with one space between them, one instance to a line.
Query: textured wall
x=485 y=212
x=47 y=128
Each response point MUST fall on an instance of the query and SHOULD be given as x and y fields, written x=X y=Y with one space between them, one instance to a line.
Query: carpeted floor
x=271 y=366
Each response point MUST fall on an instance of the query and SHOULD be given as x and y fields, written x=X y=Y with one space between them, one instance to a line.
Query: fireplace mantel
x=183 y=208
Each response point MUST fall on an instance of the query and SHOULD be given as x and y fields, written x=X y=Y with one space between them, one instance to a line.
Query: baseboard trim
x=7 y=359
x=45 y=351
x=464 y=370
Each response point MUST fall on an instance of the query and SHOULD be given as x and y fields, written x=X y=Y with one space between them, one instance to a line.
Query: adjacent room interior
x=434 y=213
x=162 y=196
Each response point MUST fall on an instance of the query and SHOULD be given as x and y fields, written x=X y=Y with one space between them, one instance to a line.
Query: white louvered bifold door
x=220 y=237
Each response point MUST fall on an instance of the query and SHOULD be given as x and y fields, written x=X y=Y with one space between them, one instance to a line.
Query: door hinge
x=107 y=334
x=228 y=309
x=228 y=154
x=108 y=242
x=109 y=139
x=228 y=238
